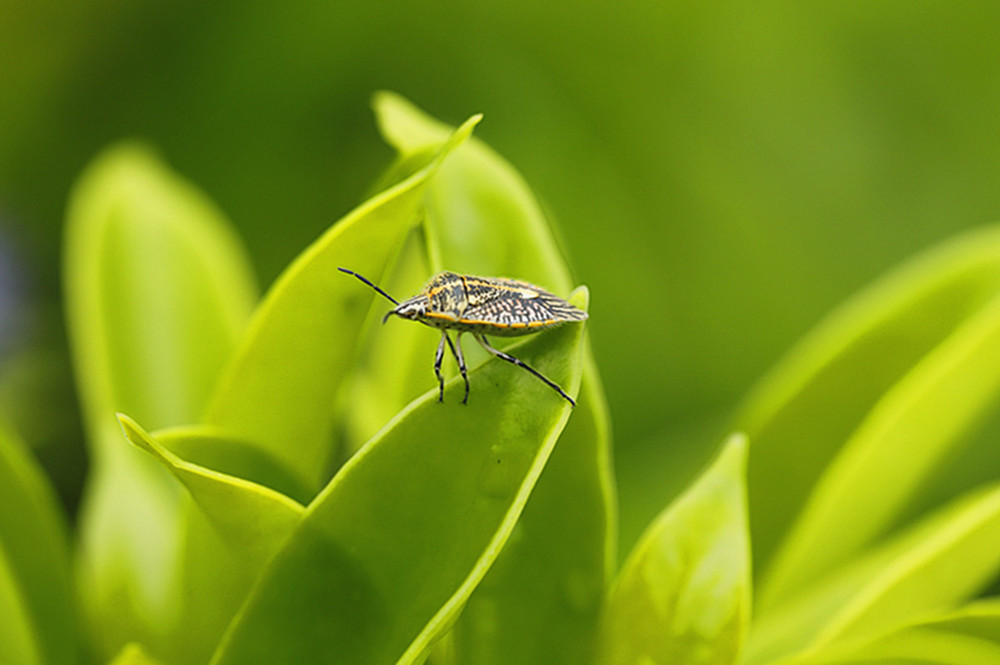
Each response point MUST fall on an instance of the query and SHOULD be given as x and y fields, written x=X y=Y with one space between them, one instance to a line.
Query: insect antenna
x=369 y=283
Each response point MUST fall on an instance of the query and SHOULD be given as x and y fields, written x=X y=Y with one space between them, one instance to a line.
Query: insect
x=481 y=305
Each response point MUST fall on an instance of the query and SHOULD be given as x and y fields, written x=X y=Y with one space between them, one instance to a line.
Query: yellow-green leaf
x=252 y=518
x=683 y=595
x=969 y=635
x=944 y=559
x=157 y=292
x=857 y=419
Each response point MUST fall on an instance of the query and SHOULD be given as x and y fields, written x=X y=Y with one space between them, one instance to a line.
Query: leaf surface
x=133 y=654
x=252 y=519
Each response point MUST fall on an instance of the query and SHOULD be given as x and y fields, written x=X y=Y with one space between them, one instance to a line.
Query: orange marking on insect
x=441 y=315
x=500 y=324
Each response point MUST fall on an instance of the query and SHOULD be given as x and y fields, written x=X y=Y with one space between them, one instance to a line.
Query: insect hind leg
x=520 y=363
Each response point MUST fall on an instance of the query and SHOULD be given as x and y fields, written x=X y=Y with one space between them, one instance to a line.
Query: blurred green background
x=721 y=174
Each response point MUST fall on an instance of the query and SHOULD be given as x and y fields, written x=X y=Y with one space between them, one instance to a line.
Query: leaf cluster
x=274 y=480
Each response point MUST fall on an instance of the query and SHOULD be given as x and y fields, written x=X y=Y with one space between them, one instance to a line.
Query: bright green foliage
x=247 y=484
x=540 y=602
x=301 y=496
x=952 y=376
x=941 y=561
x=970 y=635
x=683 y=595
x=845 y=435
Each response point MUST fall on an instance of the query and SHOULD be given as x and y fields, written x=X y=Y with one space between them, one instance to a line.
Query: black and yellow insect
x=481 y=305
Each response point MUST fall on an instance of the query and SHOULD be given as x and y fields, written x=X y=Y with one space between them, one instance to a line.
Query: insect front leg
x=437 y=364
x=456 y=350
x=520 y=363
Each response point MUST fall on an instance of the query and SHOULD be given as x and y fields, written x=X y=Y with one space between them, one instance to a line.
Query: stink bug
x=481 y=305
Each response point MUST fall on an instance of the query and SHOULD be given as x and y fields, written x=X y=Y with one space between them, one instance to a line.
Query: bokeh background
x=722 y=174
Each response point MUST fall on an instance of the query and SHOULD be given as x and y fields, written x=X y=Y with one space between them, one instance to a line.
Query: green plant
x=294 y=492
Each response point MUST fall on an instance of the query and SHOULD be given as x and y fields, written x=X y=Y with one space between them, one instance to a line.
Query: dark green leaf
x=37 y=623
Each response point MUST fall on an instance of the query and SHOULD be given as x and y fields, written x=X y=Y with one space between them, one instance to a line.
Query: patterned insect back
x=510 y=307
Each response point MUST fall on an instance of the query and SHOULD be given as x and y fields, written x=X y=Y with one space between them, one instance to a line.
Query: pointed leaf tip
x=580 y=297
x=408 y=129
x=683 y=594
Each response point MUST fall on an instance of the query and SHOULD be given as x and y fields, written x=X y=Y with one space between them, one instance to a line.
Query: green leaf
x=943 y=560
x=683 y=595
x=251 y=518
x=157 y=291
x=388 y=553
x=36 y=598
x=969 y=635
x=157 y=286
x=298 y=349
x=233 y=528
x=900 y=373
x=541 y=601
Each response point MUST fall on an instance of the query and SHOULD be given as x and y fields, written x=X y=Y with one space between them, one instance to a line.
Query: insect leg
x=437 y=364
x=520 y=363
x=456 y=350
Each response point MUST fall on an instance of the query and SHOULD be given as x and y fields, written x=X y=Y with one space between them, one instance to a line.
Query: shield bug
x=481 y=306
